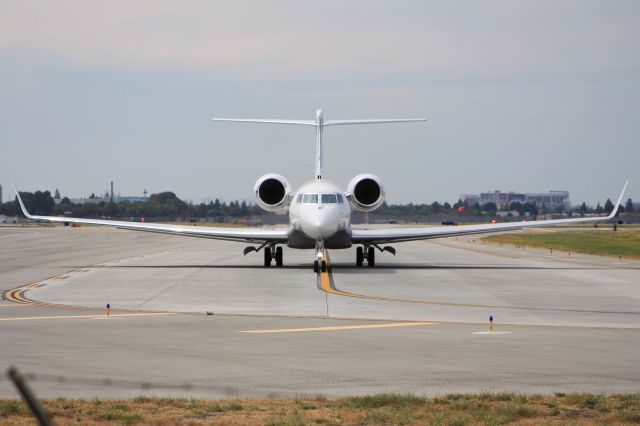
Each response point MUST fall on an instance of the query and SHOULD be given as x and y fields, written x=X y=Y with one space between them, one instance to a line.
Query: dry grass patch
x=380 y=409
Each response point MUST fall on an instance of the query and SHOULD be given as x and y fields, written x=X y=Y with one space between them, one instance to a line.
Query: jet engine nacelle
x=366 y=192
x=272 y=192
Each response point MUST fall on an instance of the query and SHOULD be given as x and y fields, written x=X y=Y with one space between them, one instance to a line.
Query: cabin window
x=299 y=199
x=340 y=198
x=329 y=199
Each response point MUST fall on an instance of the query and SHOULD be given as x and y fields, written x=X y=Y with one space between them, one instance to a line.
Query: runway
x=198 y=312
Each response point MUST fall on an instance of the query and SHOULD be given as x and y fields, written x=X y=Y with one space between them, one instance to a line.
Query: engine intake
x=272 y=192
x=366 y=192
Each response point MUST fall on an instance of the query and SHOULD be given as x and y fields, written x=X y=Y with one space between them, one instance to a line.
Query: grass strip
x=625 y=243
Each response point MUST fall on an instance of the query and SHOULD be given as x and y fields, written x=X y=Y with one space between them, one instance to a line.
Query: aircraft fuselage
x=319 y=213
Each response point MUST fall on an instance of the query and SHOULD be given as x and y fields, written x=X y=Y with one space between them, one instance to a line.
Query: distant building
x=107 y=199
x=551 y=200
x=134 y=198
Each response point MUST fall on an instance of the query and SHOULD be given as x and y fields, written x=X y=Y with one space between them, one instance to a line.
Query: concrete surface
x=574 y=321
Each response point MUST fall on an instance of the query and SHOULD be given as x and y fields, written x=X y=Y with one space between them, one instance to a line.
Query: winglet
x=24 y=209
x=615 y=210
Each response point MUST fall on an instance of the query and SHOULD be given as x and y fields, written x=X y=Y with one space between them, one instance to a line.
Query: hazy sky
x=524 y=96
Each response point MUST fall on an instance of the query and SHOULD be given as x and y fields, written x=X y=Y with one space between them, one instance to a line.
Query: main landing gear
x=271 y=253
x=370 y=253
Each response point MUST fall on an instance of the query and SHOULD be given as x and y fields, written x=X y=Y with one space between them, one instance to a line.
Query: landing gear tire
x=279 y=256
x=267 y=257
x=359 y=257
x=316 y=266
x=324 y=266
x=371 y=257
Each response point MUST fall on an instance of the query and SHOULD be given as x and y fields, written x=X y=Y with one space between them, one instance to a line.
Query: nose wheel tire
x=359 y=257
x=324 y=266
x=267 y=256
x=279 y=256
x=316 y=266
x=371 y=257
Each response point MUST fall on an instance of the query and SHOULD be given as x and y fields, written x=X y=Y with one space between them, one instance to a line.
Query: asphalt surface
x=194 y=317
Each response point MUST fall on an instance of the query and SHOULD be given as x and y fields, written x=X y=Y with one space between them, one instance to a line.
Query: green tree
x=628 y=207
x=583 y=208
x=490 y=207
x=38 y=202
x=530 y=208
x=608 y=206
x=516 y=206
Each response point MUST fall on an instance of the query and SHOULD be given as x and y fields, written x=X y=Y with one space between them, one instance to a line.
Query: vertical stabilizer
x=319 y=148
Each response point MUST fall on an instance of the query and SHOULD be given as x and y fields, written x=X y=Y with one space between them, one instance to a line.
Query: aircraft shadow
x=196 y=266
x=391 y=268
x=348 y=268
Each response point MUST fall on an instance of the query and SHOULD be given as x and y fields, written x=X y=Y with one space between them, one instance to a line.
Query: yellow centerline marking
x=88 y=316
x=339 y=327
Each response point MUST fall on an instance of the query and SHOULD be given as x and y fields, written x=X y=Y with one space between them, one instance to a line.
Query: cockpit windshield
x=329 y=199
x=322 y=198
x=310 y=198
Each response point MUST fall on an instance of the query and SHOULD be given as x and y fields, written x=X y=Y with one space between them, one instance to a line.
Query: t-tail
x=320 y=123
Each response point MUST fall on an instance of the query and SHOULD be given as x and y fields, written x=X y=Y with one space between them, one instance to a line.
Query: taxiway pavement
x=408 y=325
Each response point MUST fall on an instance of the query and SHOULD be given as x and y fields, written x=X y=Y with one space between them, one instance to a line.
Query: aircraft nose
x=320 y=225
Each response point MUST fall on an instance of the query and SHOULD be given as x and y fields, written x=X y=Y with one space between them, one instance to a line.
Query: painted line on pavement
x=17 y=295
x=340 y=327
x=88 y=316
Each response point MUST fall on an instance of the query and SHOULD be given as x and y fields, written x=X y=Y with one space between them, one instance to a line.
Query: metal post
x=28 y=396
x=491 y=324
x=108 y=310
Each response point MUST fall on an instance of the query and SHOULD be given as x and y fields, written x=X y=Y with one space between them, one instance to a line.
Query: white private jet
x=320 y=212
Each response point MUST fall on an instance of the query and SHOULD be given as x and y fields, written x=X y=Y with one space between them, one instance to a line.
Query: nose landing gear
x=320 y=264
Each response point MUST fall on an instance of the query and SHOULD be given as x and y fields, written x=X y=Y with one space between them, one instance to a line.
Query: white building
x=551 y=200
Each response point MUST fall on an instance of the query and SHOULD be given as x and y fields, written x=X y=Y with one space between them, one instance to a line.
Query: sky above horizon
x=520 y=96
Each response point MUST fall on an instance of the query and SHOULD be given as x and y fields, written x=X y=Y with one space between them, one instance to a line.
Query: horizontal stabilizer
x=319 y=123
x=389 y=120
x=267 y=121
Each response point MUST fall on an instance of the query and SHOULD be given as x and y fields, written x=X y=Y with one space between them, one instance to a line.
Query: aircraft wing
x=391 y=235
x=253 y=235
